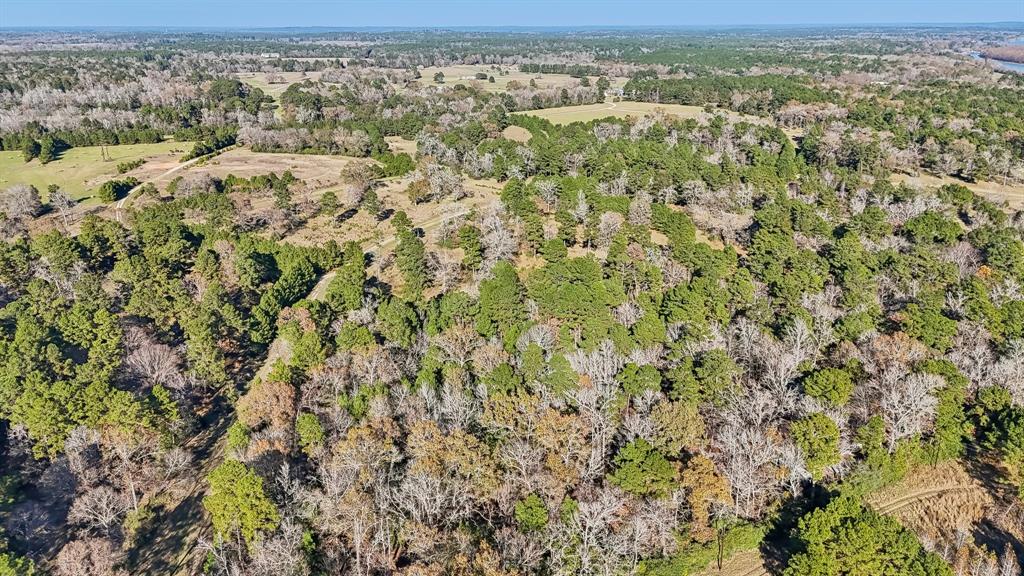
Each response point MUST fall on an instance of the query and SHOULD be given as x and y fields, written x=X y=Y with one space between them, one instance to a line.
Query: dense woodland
x=665 y=340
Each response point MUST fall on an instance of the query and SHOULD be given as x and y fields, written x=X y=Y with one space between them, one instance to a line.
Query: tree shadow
x=987 y=533
x=36 y=524
x=985 y=471
x=170 y=535
x=166 y=537
x=345 y=216
x=778 y=545
x=996 y=539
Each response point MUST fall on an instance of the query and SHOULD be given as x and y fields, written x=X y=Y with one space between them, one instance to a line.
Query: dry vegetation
x=375 y=326
x=275 y=83
x=622 y=109
x=960 y=511
x=368 y=230
x=315 y=170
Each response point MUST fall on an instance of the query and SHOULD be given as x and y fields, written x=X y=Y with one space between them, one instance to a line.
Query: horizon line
x=507 y=27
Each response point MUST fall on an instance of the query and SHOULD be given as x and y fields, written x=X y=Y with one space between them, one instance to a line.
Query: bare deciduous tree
x=607 y=228
x=444 y=182
x=100 y=508
x=89 y=557
x=20 y=201
x=64 y=204
x=83 y=454
x=548 y=192
x=281 y=553
x=908 y=405
x=640 y=208
x=458 y=343
x=447 y=271
x=153 y=362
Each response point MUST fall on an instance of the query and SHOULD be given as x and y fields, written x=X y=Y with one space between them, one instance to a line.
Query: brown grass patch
x=366 y=229
x=466 y=74
x=517 y=134
x=745 y=563
x=397 y=144
x=317 y=171
x=936 y=502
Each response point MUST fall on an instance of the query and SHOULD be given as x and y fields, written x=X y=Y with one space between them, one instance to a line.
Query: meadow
x=275 y=89
x=588 y=112
x=79 y=171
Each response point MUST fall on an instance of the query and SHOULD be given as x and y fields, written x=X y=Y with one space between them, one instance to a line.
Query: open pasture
x=79 y=171
x=588 y=112
x=317 y=170
x=466 y=74
x=1012 y=195
x=262 y=80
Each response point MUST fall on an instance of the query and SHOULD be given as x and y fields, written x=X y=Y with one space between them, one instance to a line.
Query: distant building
x=270 y=54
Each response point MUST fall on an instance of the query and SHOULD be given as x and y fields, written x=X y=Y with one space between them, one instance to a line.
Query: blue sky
x=344 y=13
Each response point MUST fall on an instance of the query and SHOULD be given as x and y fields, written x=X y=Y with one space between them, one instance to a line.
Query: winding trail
x=918 y=496
x=120 y=203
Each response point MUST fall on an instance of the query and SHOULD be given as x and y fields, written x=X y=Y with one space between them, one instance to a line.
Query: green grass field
x=79 y=171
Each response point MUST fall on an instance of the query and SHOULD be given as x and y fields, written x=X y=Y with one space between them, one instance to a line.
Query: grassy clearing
x=398 y=145
x=259 y=80
x=459 y=74
x=392 y=194
x=588 y=112
x=516 y=134
x=465 y=74
x=79 y=171
x=318 y=171
x=1012 y=195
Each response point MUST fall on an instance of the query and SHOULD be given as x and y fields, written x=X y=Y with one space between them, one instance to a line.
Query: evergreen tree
x=345 y=292
x=238 y=504
x=847 y=538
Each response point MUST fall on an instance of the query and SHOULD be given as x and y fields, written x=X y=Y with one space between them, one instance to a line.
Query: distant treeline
x=85 y=137
x=219 y=139
x=760 y=94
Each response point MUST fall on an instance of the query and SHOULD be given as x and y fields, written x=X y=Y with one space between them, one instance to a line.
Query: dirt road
x=131 y=193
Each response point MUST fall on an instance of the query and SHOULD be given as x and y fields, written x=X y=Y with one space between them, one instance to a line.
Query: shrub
x=310 y=431
x=832 y=385
x=818 y=438
x=113 y=190
x=237 y=502
x=130 y=165
x=531 y=514
x=845 y=537
x=642 y=470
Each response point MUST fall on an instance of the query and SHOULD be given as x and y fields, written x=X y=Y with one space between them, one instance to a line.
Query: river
x=1001 y=64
